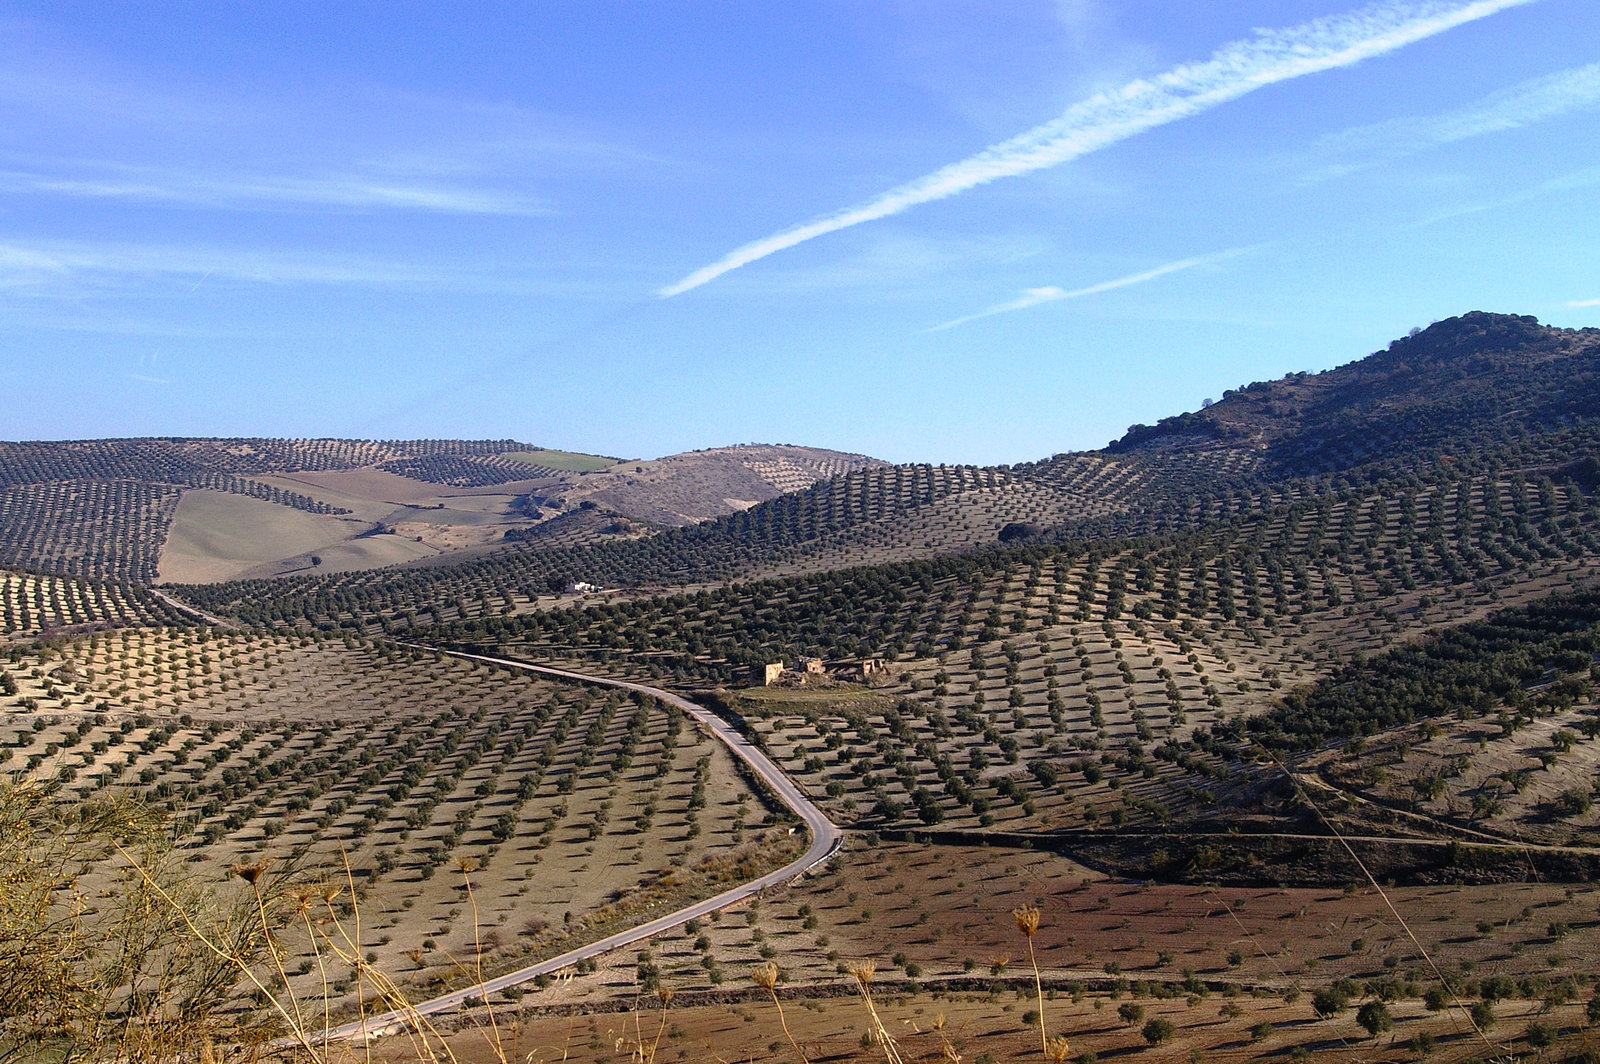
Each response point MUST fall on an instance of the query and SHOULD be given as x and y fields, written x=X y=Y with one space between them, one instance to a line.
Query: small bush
x=1158 y=1031
x=1329 y=1001
x=1374 y=1016
x=1540 y=1035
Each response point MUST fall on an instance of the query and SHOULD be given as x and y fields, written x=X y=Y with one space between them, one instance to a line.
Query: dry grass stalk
x=239 y=962
x=766 y=977
x=1027 y=919
x=863 y=971
x=467 y=866
x=336 y=939
x=645 y=1052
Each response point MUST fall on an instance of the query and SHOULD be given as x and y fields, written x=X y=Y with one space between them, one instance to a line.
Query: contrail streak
x=1524 y=104
x=1051 y=294
x=1104 y=119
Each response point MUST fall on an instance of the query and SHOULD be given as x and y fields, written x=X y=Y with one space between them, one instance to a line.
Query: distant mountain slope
x=1463 y=381
x=1482 y=392
x=109 y=509
x=177 y=460
x=682 y=489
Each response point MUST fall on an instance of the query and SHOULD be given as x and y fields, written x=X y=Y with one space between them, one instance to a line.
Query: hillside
x=1460 y=383
x=1469 y=395
x=684 y=489
x=1301 y=688
x=201 y=510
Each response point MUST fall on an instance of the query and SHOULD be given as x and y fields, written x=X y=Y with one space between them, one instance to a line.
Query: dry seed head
x=766 y=976
x=1027 y=919
x=664 y=995
x=466 y=864
x=300 y=901
x=250 y=872
x=1059 y=1049
x=862 y=970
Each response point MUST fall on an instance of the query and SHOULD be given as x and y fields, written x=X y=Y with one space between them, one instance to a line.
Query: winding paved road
x=184 y=607
x=825 y=838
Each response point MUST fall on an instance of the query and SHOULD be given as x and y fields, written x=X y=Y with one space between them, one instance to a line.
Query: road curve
x=825 y=838
x=184 y=607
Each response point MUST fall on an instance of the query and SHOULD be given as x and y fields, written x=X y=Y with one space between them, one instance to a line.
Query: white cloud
x=1575 y=303
x=1032 y=297
x=1569 y=182
x=335 y=192
x=1520 y=105
x=1106 y=118
x=56 y=268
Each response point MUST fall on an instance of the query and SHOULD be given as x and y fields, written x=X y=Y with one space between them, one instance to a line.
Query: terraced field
x=34 y=606
x=576 y=811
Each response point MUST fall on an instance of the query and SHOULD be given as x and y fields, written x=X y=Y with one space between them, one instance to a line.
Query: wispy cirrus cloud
x=1524 y=104
x=1106 y=118
x=1577 y=303
x=1032 y=297
x=1574 y=181
x=327 y=192
x=57 y=267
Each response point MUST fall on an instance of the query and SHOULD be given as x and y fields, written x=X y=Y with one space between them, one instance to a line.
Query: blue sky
x=925 y=230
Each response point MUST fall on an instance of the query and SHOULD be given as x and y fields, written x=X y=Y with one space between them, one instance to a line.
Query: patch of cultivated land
x=217 y=536
x=373 y=493
x=220 y=536
x=578 y=812
x=952 y=968
x=32 y=606
x=567 y=460
x=1500 y=776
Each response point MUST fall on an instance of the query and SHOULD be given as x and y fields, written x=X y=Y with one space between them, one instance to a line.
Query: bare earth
x=218 y=536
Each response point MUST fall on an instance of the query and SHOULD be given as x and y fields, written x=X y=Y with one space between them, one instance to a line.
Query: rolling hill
x=201 y=510
x=1338 y=630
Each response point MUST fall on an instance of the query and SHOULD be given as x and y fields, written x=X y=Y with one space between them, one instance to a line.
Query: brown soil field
x=937 y=923
x=379 y=486
x=990 y=1027
x=219 y=536
x=364 y=552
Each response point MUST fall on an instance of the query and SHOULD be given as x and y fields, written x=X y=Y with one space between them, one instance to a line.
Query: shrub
x=1541 y=1035
x=1330 y=1001
x=1157 y=1031
x=1374 y=1016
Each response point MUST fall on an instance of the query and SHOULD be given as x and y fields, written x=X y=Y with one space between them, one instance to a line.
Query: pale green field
x=568 y=460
